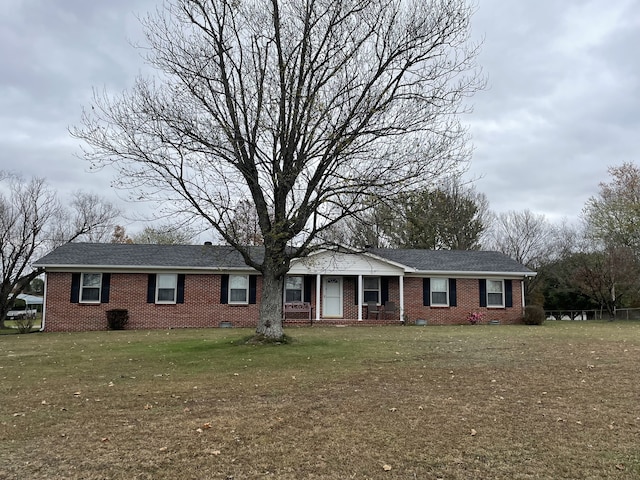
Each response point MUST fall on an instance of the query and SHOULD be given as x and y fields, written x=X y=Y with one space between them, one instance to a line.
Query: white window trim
x=379 y=289
x=446 y=291
x=243 y=302
x=294 y=289
x=175 y=289
x=502 y=305
x=82 y=287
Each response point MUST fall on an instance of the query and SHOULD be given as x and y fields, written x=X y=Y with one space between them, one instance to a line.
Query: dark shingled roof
x=126 y=255
x=226 y=258
x=452 y=260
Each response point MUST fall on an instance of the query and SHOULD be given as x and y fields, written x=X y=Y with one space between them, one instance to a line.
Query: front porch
x=344 y=288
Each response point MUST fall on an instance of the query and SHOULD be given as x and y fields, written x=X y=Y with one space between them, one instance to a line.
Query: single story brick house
x=177 y=286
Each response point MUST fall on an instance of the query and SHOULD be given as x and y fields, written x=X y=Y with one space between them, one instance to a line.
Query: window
x=166 y=288
x=371 y=289
x=90 y=287
x=293 y=287
x=238 y=288
x=495 y=293
x=439 y=292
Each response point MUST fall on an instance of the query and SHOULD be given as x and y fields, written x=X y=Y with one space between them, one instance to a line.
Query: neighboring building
x=178 y=286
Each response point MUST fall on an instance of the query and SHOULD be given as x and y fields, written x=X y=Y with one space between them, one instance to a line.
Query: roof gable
x=329 y=262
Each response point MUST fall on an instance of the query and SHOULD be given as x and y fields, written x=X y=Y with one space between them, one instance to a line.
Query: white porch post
x=359 y=298
x=401 y=292
x=318 y=280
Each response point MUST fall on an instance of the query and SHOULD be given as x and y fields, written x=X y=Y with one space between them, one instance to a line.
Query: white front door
x=332 y=297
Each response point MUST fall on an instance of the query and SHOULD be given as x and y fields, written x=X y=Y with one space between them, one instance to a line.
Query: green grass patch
x=552 y=401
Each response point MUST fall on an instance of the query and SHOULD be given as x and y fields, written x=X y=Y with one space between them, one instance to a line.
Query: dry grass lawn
x=486 y=402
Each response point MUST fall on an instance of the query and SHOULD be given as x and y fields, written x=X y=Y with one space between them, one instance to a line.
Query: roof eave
x=138 y=268
x=472 y=274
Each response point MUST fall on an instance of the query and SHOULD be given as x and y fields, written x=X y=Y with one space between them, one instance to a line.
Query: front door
x=332 y=297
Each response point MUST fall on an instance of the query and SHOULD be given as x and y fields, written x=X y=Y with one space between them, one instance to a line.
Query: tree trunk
x=270 y=322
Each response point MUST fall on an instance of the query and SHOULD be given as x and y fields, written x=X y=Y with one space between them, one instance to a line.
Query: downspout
x=44 y=303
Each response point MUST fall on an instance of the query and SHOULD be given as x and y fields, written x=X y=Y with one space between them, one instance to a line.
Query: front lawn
x=490 y=402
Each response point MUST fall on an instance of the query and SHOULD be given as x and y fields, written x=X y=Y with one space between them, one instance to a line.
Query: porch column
x=359 y=298
x=318 y=280
x=401 y=292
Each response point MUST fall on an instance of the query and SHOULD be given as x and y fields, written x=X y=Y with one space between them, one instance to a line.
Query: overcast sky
x=561 y=105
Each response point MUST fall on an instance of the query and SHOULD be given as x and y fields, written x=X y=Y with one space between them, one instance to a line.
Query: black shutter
x=355 y=289
x=224 y=288
x=253 y=283
x=453 y=293
x=151 y=288
x=308 y=285
x=180 y=292
x=426 y=292
x=384 y=287
x=106 y=288
x=483 y=292
x=75 y=287
x=508 y=293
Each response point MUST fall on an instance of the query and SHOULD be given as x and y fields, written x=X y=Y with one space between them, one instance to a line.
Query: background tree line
x=593 y=264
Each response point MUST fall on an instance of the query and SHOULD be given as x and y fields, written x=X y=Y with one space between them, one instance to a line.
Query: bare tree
x=524 y=236
x=33 y=221
x=298 y=107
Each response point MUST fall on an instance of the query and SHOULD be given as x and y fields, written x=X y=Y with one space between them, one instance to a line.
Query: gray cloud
x=561 y=104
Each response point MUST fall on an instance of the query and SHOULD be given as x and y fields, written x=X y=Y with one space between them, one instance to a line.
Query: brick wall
x=468 y=295
x=202 y=307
